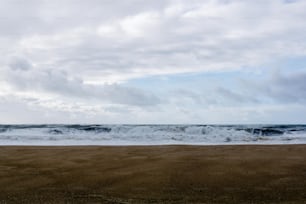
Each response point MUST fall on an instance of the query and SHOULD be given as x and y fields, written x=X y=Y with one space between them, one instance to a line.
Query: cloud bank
x=80 y=57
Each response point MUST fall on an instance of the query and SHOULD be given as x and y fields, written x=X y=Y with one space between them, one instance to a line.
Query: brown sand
x=159 y=174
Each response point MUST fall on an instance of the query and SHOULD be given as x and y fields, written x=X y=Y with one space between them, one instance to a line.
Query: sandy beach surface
x=153 y=174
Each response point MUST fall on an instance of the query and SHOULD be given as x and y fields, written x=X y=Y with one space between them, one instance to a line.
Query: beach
x=153 y=174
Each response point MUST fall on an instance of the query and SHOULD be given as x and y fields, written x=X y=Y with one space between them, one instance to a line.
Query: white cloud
x=140 y=25
x=176 y=37
x=88 y=50
x=33 y=82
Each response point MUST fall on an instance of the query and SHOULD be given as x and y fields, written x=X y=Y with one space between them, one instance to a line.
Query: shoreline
x=153 y=174
x=152 y=145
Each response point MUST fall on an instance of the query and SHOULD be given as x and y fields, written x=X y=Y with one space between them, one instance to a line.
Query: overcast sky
x=153 y=61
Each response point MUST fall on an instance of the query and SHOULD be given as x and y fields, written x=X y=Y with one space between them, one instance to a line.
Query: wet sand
x=153 y=174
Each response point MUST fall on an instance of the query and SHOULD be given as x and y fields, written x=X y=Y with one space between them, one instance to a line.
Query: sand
x=153 y=174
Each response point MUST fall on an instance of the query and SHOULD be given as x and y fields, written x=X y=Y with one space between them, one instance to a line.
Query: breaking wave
x=151 y=134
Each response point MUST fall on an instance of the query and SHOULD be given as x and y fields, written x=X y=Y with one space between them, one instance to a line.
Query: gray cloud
x=64 y=52
x=123 y=40
x=227 y=96
x=20 y=64
x=277 y=87
x=61 y=84
x=280 y=87
x=213 y=97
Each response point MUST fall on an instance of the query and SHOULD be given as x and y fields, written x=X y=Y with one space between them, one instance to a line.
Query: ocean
x=151 y=134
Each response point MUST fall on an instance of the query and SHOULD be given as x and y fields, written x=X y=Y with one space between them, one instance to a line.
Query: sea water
x=151 y=134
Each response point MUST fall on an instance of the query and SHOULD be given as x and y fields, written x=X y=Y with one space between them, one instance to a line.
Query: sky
x=153 y=61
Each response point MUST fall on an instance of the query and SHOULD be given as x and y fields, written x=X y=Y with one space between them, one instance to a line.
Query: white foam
x=150 y=135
